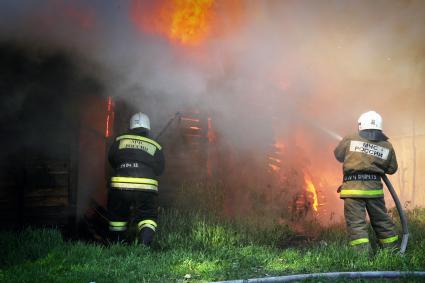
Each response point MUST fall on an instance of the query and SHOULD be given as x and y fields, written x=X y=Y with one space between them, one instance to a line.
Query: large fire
x=188 y=22
x=184 y=21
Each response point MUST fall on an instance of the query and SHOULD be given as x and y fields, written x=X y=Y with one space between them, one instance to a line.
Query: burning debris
x=305 y=196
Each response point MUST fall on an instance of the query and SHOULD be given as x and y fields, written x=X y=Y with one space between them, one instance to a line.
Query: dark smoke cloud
x=40 y=89
x=44 y=92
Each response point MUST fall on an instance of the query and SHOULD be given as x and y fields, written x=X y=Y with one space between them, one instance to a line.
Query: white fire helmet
x=370 y=120
x=140 y=120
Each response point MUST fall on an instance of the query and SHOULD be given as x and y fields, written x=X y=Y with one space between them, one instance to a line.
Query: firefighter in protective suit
x=366 y=155
x=133 y=195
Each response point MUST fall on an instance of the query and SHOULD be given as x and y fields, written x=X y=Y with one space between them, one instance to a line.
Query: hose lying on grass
x=333 y=275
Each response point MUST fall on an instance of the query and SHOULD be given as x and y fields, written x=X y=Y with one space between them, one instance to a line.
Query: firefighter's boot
x=117 y=237
x=146 y=236
x=363 y=249
x=390 y=243
x=117 y=231
x=147 y=231
x=382 y=223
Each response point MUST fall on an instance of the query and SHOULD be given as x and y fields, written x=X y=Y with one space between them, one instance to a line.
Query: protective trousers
x=355 y=217
x=130 y=206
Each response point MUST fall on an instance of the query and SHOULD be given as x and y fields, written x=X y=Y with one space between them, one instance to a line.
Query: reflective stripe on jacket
x=134 y=184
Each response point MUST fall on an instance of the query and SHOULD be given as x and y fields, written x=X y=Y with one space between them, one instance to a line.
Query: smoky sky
x=326 y=61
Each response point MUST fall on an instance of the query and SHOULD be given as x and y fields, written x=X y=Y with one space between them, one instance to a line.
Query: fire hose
x=331 y=275
x=403 y=218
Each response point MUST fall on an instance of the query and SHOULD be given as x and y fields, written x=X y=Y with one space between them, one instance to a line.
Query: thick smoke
x=282 y=70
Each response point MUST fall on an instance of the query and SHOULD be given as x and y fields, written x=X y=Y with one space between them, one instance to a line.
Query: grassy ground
x=198 y=247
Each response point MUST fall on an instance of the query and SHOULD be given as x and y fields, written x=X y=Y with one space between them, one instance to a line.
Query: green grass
x=203 y=245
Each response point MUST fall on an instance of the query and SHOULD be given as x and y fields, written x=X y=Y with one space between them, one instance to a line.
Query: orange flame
x=190 y=20
x=109 y=117
x=311 y=188
x=184 y=21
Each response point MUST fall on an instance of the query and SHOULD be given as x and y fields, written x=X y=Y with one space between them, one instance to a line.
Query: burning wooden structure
x=52 y=178
x=56 y=187
x=56 y=129
x=58 y=136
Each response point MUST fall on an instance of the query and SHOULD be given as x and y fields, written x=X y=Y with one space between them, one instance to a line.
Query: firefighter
x=133 y=195
x=366 y=155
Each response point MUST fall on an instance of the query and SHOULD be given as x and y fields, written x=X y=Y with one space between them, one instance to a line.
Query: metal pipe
x=331 y=275
x=403 y=218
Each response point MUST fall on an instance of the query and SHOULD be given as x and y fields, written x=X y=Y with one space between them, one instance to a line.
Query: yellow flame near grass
x=310 y=188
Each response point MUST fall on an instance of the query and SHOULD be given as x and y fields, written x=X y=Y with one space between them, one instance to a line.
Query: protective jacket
x=366 y=156
x=137 y=161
